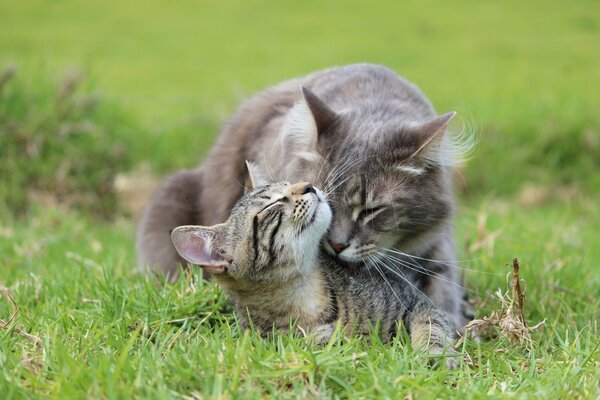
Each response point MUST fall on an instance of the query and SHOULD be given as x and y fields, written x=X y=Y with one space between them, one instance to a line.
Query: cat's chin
x=213 y=269
x=355 y=266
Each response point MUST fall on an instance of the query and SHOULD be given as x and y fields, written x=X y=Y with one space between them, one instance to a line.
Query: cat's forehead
x=267 y=190
x=368 y=187
x=262 y=195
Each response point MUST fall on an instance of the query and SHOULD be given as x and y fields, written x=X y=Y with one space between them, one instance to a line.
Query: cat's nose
x=337 y=247
x=309 y=189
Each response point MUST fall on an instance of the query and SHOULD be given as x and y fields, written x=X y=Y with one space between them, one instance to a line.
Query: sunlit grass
x=524 y=77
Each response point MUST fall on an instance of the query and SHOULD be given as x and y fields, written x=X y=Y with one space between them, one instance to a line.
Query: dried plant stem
x=509 y=320
x=30 y=363
x=517 y=292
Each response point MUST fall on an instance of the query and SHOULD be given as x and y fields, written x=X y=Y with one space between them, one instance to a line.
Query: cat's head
x=387 y=180
x=273 y=231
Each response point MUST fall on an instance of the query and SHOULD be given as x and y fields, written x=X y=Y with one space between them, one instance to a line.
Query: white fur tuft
x=298 y=136
x=452 y=148
x=409 y=169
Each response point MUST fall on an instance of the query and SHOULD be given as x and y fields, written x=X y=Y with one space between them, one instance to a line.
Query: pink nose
x=337 y=247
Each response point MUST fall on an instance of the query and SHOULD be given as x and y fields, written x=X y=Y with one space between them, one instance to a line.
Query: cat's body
x=371 y=140
x=266 y=256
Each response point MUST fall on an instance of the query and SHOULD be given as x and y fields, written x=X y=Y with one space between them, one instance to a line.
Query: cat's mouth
x=320 y=216
x=354 y=265
x=213 y=269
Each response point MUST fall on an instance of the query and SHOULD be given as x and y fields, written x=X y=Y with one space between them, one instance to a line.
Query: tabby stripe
x=407 y=326
x=393 y=331
x=255 y=239
x=272 y=238
x=346 y=313
x=260 y=191
x=385 y=319
x=333 y=314
x=363 y=190
x=268 y=220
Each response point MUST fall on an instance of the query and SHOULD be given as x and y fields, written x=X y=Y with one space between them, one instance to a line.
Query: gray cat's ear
x=202 y=245
x=431 y=135
x=304 y=123
x=323 y=116
x=253 y=178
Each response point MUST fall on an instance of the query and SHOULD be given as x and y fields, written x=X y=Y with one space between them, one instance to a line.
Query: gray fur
x=367 y=137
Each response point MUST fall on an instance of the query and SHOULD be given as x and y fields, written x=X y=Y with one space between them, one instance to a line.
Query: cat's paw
x=452 y=361
x=322 y=334
x=467 y=313
x=439 y=355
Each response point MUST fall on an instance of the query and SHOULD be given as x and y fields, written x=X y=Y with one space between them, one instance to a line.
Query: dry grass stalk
x=509 y=320
x=31 y=360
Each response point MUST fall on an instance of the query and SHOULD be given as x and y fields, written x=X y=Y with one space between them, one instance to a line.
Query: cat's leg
x=443 y=283
x=322 y=333
x=430 y=331
x=445 y=289
x=174 y=204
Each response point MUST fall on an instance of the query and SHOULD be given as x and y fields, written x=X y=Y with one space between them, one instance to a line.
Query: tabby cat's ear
x=202 y=245
x=253 y=178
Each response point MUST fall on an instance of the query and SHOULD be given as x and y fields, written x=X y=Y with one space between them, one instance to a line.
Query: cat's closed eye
x=278 y=202
x=364 y=215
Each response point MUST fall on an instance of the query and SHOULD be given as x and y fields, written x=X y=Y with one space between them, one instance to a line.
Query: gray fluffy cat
x=375 y=145
x=266 y=256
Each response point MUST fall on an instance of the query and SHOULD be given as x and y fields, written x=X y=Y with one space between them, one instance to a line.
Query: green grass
x=523 y=75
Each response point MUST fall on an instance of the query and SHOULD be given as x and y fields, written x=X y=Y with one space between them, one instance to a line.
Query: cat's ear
x=309 y=118
x=202 y=245
x=253 y=177
x=323 y=116
x=431 y=135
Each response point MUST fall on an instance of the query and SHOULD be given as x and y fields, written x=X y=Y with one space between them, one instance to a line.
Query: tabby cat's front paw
x=438 y=354
x=322 y=333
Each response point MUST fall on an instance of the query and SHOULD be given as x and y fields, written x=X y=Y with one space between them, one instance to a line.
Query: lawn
x=157 y=82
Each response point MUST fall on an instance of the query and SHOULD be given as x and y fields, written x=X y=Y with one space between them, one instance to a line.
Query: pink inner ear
x=194 y=247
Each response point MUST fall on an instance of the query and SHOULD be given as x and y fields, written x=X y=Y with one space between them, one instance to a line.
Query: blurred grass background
x=523 y=75
x=92 y=90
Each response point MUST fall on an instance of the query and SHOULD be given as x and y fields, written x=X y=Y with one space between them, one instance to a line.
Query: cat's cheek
x=388 y=241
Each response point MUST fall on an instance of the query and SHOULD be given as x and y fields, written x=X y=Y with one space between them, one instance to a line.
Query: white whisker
x=422 y=270
x=371 y=262
x=446 y=263
x=404 y=278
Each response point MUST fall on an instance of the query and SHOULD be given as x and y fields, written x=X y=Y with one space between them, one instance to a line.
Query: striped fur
x=275 y=274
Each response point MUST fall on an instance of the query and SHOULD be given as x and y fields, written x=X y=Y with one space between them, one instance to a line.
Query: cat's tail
x=175 y=203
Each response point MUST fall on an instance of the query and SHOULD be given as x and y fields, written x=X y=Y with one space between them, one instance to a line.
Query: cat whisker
x=404 y=278
x=323 y=162
x=371 y=260
x=396 y=262
x=331 y=190
x=333 y=184
x=269 y=171
x=344 y=167
x=336 y=172
x=333 y=170
x=447 y=263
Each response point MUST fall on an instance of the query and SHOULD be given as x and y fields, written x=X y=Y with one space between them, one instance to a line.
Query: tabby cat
x=372 y=141
x=266 y=256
